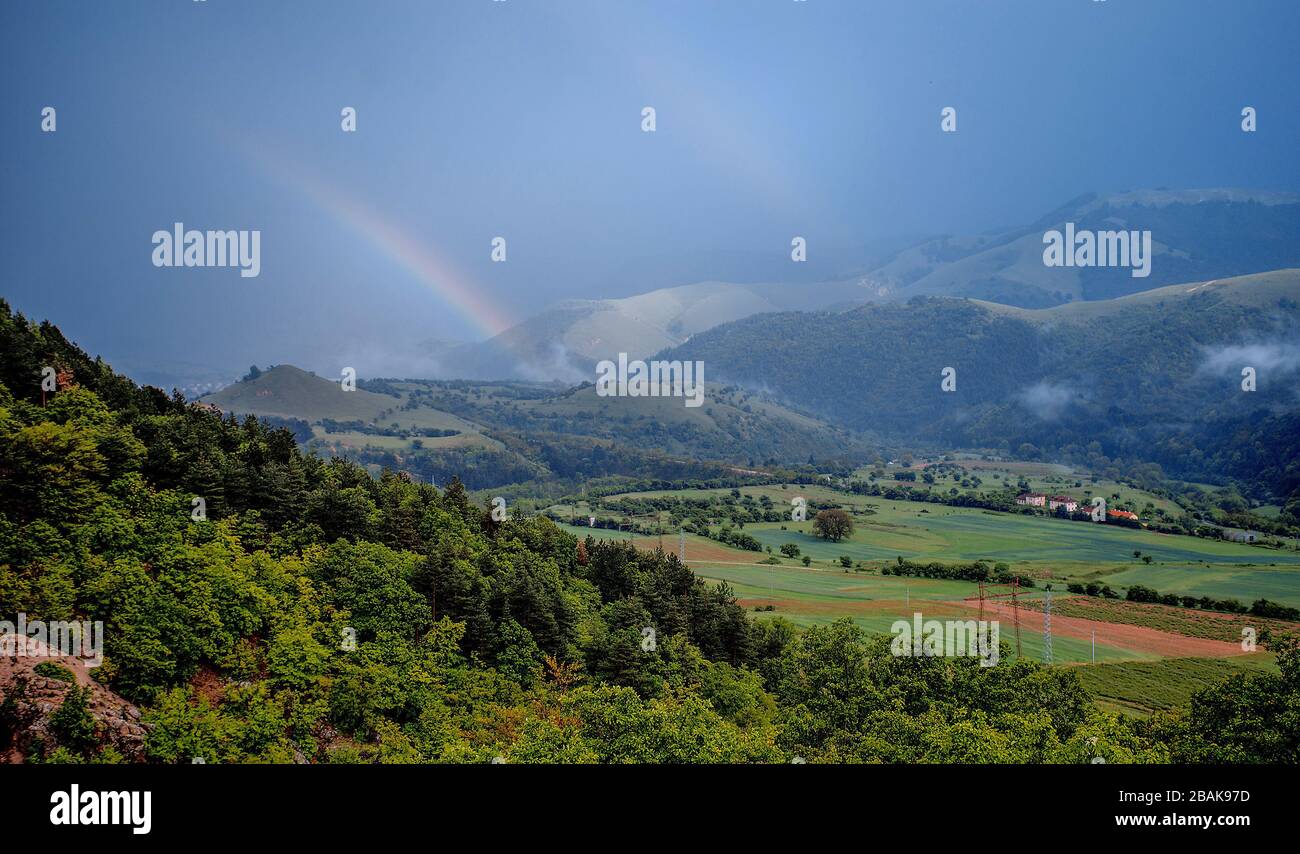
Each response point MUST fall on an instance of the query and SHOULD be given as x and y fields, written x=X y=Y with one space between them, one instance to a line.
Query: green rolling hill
x=1150 y=377
x=288 y=392
x=500 y=433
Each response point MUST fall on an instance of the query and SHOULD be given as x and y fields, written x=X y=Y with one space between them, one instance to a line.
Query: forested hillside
x=1155 y=377
x=474 y=639
x=539 y=438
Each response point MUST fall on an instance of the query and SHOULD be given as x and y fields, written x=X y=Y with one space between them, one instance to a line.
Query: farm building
x=1065 y=501
x=1032 y=499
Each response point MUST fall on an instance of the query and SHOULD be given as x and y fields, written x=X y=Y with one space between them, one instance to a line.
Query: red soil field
x=1137 y=638
x=697 y=551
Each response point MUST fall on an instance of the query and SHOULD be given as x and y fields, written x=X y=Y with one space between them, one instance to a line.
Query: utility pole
x=1047 y=626
x=1015 y=610
x=1094 y=646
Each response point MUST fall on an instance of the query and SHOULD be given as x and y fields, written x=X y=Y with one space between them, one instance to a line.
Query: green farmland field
x=817 y=597
x=1062 y=550
x=1037 y=545
x=959 y=533
x=1145 y=686
x=936 y=532
x=1243 y=583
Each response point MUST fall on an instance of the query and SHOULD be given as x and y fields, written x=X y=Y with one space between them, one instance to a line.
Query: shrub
x=72 y=724
x=54 y=670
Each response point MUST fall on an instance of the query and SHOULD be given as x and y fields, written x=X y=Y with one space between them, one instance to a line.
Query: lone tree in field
x=833 y=525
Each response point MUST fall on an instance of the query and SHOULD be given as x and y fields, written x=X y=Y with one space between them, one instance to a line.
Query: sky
x=522 y=119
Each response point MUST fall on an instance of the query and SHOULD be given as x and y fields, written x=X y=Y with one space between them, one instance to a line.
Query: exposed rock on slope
x=28 y=699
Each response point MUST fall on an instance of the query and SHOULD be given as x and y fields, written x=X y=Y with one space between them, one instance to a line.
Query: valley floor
x=1135 y=658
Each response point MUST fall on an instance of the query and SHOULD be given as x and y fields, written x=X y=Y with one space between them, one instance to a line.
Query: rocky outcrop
x=28 y=699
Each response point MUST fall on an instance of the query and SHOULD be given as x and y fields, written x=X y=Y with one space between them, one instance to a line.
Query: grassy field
x=998 y=476
x=611 y=534
x=1184 y=621
x=350 y=439
x=1245 y=583
x=286 y=391
x=1125 y=670
x=936 y=532
x=820 y=596
x=1034 y=545
x=1142 y=687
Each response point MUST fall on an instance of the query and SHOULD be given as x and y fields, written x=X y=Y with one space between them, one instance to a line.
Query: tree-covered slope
x=1155 y=376
x=314 y=613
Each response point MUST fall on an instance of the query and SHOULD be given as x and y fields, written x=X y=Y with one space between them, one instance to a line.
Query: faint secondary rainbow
x=395 y=244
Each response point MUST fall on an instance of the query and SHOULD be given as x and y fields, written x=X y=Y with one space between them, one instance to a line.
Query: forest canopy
x=312 y=612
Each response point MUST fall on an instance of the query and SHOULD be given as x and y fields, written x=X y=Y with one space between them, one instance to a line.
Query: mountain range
x=504 y=432
x=565 y=342
x=1197 y=235
x=1155 y=376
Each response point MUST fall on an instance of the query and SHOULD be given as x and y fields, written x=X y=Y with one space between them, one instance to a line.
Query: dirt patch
x=1140 y=639
x=696 y=551
x=1183 y=621
x=1137 y=638
x=207 y=684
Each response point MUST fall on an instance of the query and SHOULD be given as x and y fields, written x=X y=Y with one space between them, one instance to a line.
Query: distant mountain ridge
x=507 y=432
x=565 y=342
x=1150 y=376
x=1197 y=235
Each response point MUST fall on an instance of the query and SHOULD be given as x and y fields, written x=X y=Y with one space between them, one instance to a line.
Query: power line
x=1047 y=626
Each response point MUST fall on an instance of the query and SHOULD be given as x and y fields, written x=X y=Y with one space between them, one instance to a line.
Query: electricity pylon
x=1047 y=626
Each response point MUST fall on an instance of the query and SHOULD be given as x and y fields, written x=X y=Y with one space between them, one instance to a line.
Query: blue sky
x=522 y=119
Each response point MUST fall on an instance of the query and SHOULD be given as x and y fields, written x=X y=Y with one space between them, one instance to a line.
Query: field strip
x=1140 y=638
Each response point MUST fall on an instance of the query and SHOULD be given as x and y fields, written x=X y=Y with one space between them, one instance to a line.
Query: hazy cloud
x=1277 y=356
x=374 y=360
x=558 y=364
x=1046 y=400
